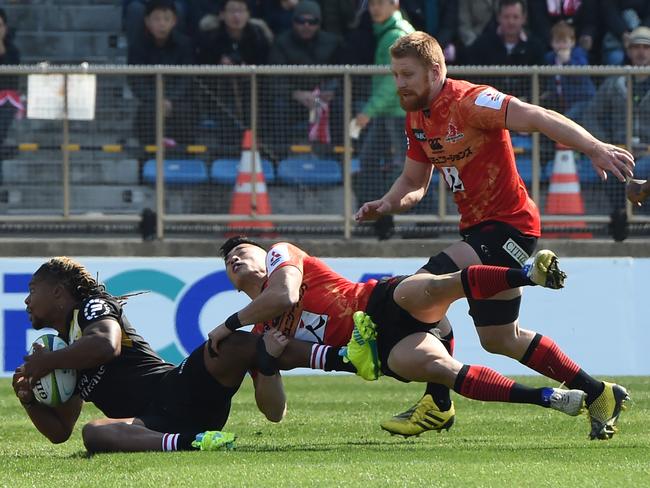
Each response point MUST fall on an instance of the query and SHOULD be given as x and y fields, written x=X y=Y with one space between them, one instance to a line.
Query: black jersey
x=124 y=386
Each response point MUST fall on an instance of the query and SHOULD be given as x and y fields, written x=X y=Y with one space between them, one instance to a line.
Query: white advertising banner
x=600 y=319
x=45 y=97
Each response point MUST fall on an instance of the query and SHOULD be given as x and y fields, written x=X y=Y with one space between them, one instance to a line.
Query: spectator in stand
x=134 y=11
x=161 y=44
x=338 y=16
x=473 y=18
x=606 y=113
x=10 y=102
x=509 y=44
x=620 y=18
x=567 y=94
x=436 y=17
x=384 y=145
x=231 y=38
x=302 y=103
x=581 y=14
x=278 y=14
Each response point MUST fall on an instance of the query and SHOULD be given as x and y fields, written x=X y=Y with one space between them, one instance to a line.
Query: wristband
x=266 y=364
x=232 y=323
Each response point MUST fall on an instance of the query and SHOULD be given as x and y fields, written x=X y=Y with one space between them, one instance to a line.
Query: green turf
x=331 y=437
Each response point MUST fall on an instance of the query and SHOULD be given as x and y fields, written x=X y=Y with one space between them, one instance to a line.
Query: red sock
x=545 y=357
x=483 y=383
x=481 y=281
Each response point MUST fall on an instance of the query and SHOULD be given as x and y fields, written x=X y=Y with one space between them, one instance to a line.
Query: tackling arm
x=525 y=117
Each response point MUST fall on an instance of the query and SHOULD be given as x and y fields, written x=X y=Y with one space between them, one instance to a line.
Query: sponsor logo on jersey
x=453 y=134
x=276 y=256
x=311 y=327
x=517 y=253
x=419 y=135
x=96 y=308
x=452 y=158
x=490 y=98
x=87 y=384
x=435 y=145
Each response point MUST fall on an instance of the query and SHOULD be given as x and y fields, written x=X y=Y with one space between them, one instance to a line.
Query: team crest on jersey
x=453 y=134
x=490 y=98
x=419 y=135
x=274 y=257
x=95 y=308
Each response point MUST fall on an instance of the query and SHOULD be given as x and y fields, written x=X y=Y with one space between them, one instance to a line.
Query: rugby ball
x=57 y=387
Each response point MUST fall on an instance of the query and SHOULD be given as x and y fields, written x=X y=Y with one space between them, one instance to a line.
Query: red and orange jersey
x=463 y=134
x=327 y=300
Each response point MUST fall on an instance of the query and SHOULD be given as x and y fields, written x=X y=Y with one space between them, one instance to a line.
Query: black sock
x=334 y=361
x=517 y=277
x=185 y=441
x=534 y=396
x=591 y=386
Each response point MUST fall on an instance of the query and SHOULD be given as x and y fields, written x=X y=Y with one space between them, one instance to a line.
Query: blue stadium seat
x=177 y=171
x=355 y=164
x=309 y=171
x=586 y=172
x=642 y=168
x=525 y=168
x=224 y=171
x=523 y=142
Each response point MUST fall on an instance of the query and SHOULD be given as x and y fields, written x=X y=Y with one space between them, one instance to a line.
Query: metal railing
x=534 y=76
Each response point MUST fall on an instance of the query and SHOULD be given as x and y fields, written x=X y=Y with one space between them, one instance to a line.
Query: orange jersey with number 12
x=463 y=134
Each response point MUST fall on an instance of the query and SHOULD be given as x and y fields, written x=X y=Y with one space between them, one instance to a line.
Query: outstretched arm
x=409 y=188
x=524 y=117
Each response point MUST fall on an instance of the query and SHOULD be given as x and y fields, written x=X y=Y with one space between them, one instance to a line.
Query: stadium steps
x=68 y=31
x=48 y=199
x=84 y=169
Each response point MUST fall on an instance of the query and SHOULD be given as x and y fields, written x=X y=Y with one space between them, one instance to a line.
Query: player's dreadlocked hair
x=233 y=242
x=74 y=278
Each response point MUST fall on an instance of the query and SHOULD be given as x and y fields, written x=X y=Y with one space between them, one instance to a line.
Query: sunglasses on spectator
x=306 y=20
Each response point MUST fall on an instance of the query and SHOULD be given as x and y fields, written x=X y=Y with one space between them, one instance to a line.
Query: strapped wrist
x=233 y=323
x=266 y=364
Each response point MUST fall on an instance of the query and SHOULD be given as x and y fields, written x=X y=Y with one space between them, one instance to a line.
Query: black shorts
x=499 y=244
x=189 y=399
x=393 y=322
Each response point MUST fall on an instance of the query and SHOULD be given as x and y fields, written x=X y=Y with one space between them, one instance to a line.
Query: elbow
x=276 y=416
x=59 y=437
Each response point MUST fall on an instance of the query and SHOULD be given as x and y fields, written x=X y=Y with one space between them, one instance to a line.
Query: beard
x=415 y=101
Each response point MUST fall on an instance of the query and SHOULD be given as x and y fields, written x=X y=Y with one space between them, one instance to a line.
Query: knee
x=492 y=344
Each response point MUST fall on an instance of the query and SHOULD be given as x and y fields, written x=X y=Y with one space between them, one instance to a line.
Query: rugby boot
x=571 y=402
x=421 y=417
x=361 y=350
x=214 y=440
x=545 y=271
x=605 y=410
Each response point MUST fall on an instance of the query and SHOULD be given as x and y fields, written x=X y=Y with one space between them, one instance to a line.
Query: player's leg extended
x=422 y=357
x=131 y=435
x=497 y=325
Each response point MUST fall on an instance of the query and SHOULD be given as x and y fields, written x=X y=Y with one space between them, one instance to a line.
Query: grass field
x=331 y=437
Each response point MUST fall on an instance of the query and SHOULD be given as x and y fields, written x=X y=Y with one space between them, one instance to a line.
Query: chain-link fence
x=179 y=141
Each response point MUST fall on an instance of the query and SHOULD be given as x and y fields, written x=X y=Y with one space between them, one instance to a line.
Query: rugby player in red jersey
x=301 y=297
x=462 y=130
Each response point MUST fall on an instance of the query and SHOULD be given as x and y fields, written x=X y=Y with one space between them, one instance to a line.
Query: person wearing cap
x=295 y=97
x=605 y=116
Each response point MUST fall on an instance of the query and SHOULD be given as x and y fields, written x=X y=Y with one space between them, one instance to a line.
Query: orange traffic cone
x=564 y=197
x=243 y=202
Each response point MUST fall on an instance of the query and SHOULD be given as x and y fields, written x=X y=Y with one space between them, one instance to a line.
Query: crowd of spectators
x=309 y=108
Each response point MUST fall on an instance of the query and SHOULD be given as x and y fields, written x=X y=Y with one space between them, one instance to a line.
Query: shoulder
x=283 y=253
x=99 y=307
